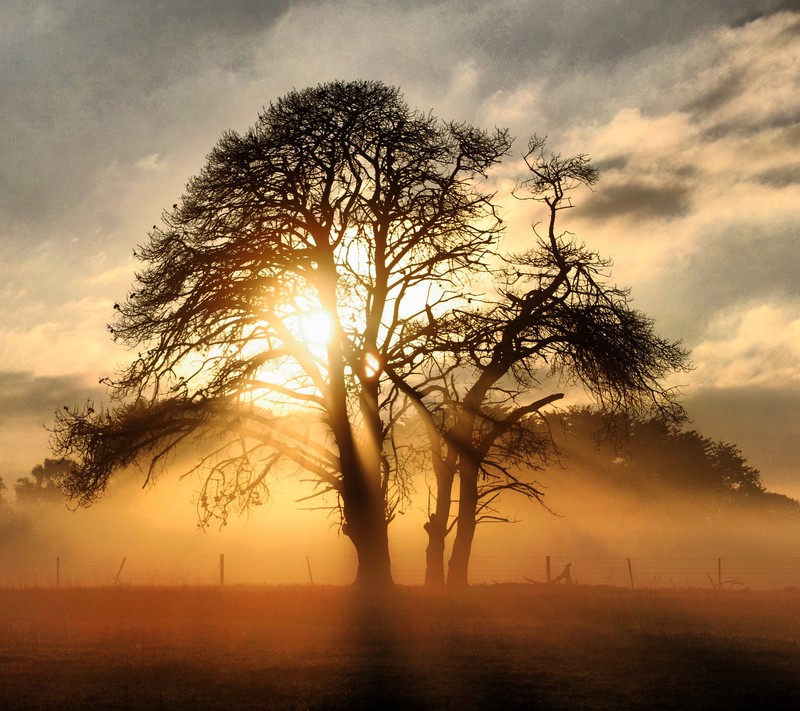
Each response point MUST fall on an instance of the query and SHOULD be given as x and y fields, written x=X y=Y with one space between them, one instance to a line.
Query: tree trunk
x=457 y=574
x=436 y=526
x=362 y=495
x=434 y=553
x=371 y=540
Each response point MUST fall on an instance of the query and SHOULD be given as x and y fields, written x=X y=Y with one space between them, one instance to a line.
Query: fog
x=673 y=539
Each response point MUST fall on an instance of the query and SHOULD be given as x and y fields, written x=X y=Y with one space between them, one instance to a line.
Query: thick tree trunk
x=362 y=495
x=371 y=540
x=365 y=517
x=366 y=526
x=458 y=570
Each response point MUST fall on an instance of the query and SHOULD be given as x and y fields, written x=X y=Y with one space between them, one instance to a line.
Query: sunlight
x=372 y=365
x=315 y=328
x=312 y=329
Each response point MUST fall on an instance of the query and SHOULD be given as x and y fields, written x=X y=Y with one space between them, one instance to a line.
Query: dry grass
x=504 y=646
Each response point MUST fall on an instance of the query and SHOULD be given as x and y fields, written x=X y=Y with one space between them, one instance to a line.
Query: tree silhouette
x=656 y=458
x=43 y=485
x=552 y=320
x=278 y=294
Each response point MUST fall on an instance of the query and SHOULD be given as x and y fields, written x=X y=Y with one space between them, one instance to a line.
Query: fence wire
x=639 y=572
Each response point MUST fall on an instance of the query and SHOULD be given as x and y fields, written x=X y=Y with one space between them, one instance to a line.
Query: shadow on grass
x=496 y=647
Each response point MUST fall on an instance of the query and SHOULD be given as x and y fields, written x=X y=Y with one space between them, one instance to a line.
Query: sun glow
x=315 y=328
x=372 y=365
x=298 y=339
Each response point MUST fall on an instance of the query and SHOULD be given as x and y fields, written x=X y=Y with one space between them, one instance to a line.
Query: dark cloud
x=746 y=264
x=727 y=270
x=612 y=163
x=780 y=176
x=720 y=94
x=755 y=11
x=568 y=36
x=638 y=201
x=25 y=396
x=87 y=84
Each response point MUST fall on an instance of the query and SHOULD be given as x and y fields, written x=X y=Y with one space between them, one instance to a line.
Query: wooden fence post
x=222 y=569
x=310 y=576
x=547 y=565
x=630 y=573
x=119 y=572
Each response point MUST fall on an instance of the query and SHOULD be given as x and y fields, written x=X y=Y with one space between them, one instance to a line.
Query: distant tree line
x=43 y=484
x=652 y=457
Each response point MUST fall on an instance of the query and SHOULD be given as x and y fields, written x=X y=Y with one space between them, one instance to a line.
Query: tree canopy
x=658 y=459
x=43 y=485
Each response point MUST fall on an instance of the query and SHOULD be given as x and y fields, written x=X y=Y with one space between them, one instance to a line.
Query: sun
x=314 y=328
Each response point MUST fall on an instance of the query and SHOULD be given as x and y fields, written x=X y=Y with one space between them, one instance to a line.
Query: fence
x=219 y=569
x=656 y=572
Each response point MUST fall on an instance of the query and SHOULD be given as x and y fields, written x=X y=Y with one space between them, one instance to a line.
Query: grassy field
x=493 y=647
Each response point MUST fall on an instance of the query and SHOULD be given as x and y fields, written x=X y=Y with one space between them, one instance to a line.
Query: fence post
x=58 y=572
x=547 y=565
x=222 y=569
x=630 y=573
x=119 y=572
x=310 y=576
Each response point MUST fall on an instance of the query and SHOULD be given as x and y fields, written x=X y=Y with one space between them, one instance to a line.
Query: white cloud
x=71 y=338
x=757 y=346
x=151 y=162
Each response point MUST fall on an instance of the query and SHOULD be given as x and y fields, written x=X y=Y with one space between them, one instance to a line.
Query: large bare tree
x=276 y=296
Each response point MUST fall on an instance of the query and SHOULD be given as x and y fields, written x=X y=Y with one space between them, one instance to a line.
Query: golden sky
x=691 y=111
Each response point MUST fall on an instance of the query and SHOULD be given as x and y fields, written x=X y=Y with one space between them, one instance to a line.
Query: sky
x=690 y=110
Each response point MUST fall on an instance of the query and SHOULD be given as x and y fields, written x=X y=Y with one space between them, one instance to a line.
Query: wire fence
x=206 y=570
x=646 y=572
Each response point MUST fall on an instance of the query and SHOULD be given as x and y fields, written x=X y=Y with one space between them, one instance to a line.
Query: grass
x=499 y=646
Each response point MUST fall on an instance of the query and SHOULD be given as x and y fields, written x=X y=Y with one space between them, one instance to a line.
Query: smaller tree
x=44 y=484
x=553 y=320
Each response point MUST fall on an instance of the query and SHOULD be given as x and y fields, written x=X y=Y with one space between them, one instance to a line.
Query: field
x=493 y=647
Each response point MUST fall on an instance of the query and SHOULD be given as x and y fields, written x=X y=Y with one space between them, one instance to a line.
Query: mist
x=674 y=538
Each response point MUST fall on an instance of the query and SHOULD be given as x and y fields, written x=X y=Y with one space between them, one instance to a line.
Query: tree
x=43 y=485
x=277 y=295
x=656 y=458
x=552 y=320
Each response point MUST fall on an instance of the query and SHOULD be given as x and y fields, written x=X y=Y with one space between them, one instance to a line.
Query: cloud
x=28 y=403
x=756 y=346
x=639 y=201
x=55 y=339
x=26 y=396
x=699 y=217
x=151 y=162
x=86 y=83
x=763 y=54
